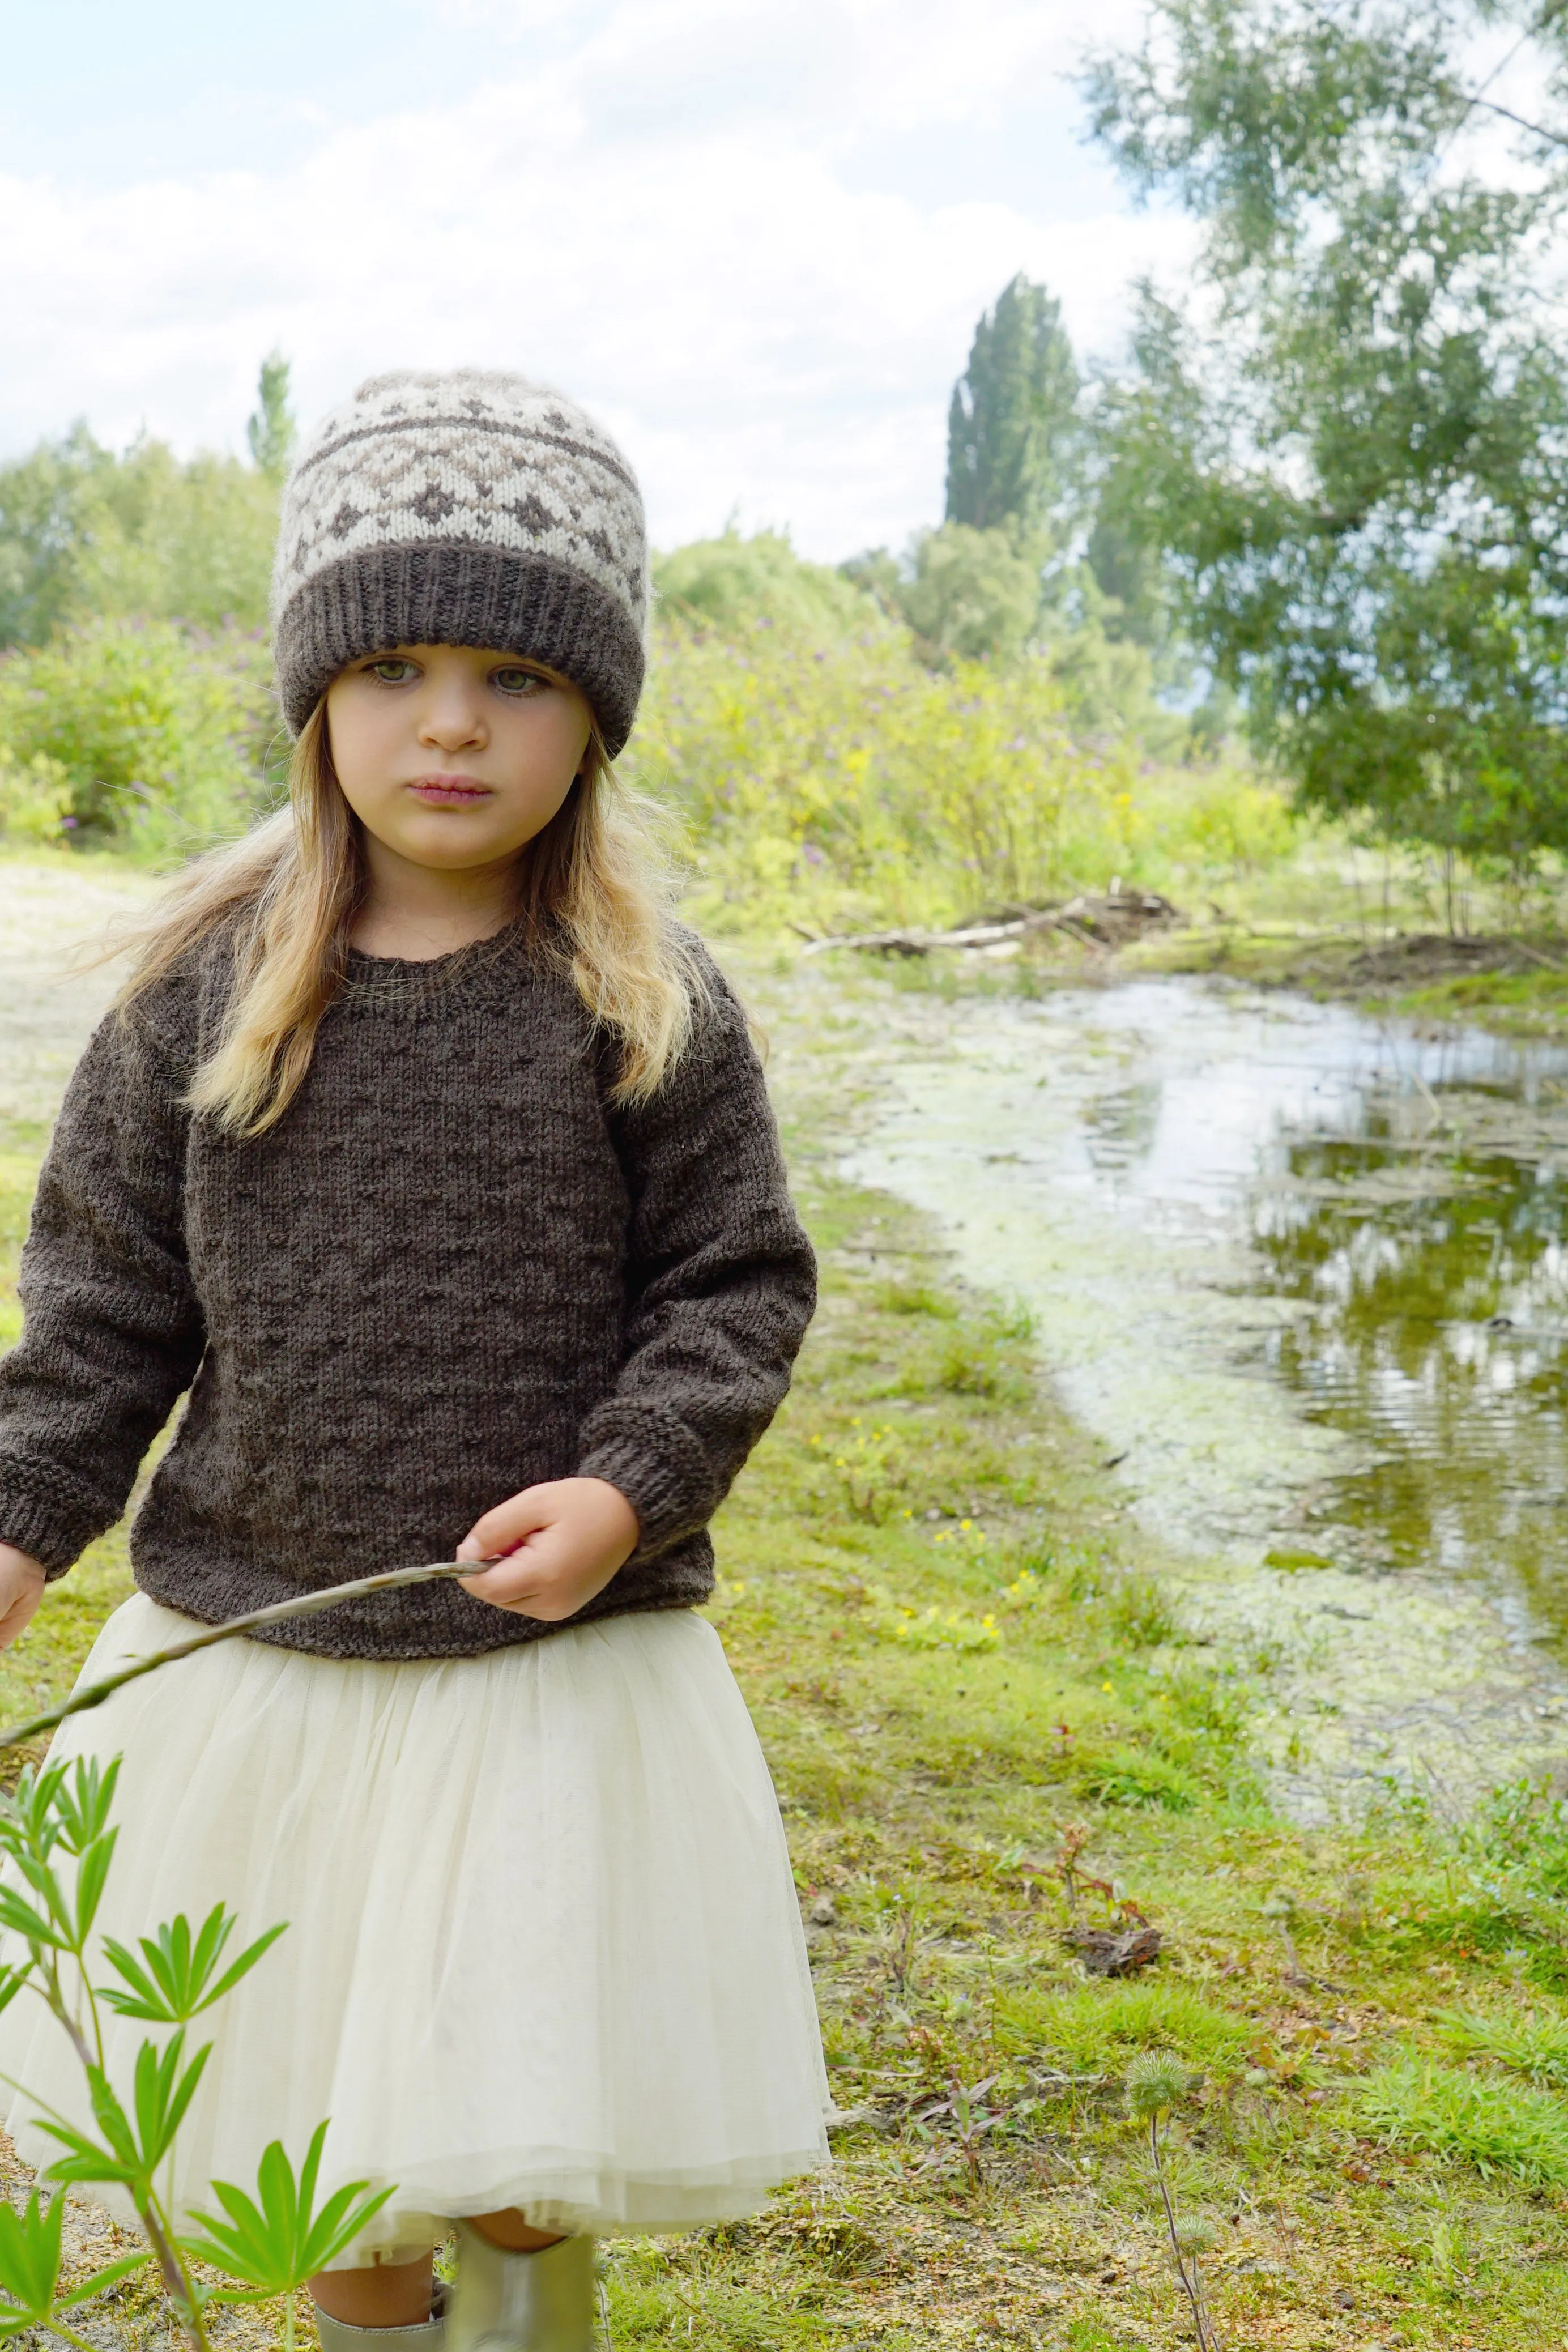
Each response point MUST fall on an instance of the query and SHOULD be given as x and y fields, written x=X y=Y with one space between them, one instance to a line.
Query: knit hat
x=468 y=509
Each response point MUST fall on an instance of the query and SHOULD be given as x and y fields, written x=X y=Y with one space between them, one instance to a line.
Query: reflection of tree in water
x=1405 y=1352
x=1120 y=1125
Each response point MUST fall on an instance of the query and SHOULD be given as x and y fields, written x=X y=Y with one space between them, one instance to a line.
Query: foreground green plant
x=57 y=1841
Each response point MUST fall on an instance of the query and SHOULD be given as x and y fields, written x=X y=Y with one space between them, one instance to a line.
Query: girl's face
x=454 y=758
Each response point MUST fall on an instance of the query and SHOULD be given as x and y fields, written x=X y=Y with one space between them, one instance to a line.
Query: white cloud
x=672 y=207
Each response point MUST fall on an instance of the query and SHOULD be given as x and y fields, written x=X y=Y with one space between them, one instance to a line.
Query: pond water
x=1305 y=1273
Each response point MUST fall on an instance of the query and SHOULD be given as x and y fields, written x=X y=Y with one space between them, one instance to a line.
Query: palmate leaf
x=171 y=1982
x=12 y=1980
x=275 y=2240
x=18 y=1918
x=131 y=2151
x=109 y=2276
x=30 y=2253
x=30 y=2267
x=92 y=1872
x=29 y=1823
x=82 y=1801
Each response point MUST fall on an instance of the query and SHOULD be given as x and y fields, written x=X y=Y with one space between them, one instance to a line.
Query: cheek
x=363 y=735
x=545 y=744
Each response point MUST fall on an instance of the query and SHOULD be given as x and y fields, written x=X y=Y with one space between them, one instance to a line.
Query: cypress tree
x=1012 y=428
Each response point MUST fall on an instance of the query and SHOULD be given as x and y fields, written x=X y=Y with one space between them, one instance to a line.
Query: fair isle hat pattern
x=467 y=508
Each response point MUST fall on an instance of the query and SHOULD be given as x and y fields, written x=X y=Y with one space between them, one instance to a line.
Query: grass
x=957 y=1800
x=1531 y=2044
x=1495 y=2127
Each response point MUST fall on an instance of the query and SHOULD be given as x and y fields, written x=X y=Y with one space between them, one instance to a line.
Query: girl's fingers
x=502 y=1529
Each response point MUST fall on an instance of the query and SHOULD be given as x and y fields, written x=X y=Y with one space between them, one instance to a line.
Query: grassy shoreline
x=932 y=1796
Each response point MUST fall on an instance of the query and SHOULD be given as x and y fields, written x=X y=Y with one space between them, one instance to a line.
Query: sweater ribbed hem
x=423 y=1621
x=447 y=592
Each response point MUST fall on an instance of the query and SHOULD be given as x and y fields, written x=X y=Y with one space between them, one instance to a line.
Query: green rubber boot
x=425 y=2336
x=521 y=2302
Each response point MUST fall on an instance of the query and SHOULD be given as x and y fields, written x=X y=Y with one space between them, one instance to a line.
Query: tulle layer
x=543 y=1948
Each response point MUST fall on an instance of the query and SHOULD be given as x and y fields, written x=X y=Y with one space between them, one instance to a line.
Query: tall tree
x=1351 y=446
x=271 y=430
x=1012 y=427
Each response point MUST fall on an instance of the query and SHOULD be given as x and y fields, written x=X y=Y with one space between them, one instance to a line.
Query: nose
x=451 y=716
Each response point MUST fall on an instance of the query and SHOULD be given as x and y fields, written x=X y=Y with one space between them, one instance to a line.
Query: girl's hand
x=21 y=1589
x=563 y=1542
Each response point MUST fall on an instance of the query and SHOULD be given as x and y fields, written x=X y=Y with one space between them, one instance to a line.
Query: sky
x=752 y=235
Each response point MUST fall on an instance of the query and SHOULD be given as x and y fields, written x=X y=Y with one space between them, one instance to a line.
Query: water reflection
x=1439 y=1335
x=1407 y=1194
x=1305 y=1274
x=1306 y=1271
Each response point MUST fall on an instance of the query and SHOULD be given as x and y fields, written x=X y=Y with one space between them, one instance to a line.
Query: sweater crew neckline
x=484 y=969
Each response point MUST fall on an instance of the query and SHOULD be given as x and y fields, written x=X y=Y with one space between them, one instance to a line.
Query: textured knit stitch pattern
x=452 y=1269
x=472 y=508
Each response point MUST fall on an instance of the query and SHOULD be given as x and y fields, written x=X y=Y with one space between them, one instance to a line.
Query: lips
x=449 y=792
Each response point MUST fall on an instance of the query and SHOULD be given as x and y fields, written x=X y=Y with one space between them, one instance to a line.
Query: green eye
x=394 y=671
x=516 y=680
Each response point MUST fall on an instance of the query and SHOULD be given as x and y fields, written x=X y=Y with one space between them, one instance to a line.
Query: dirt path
x=47 y=913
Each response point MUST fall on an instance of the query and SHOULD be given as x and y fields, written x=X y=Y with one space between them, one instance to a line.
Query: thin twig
x=307 y=1604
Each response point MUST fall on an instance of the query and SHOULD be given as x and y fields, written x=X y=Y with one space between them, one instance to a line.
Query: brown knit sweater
x=452 y=1269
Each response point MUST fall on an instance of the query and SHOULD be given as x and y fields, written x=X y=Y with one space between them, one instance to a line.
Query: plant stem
x=1208 y=2340
x=307 y=1604
x=56 y=2327
x=176 y=2285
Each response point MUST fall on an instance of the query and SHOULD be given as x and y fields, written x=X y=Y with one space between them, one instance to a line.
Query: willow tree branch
x=1536 y=129
x=307 y=1604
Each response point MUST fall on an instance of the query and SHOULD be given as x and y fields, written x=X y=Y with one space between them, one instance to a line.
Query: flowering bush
x=834 y=782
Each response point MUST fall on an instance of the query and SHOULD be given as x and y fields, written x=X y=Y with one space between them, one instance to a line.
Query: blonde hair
x=290 y=890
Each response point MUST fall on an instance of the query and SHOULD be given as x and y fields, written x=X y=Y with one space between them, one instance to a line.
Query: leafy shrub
x=732 y=583
x=35 y=798
x=972 y=593
x=85 y=532
x=161 y=734
x=826 y=775
x=839 y=775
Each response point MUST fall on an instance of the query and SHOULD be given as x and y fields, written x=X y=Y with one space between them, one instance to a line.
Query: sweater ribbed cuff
x=46 y=1534
x=651 y=1455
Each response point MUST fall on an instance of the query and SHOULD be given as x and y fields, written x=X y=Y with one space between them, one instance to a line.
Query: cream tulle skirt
x=544 y=1948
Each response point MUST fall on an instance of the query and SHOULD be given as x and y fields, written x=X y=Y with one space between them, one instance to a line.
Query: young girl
x=433 y=1161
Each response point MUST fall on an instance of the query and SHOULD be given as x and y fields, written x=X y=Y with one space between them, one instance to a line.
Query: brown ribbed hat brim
x=447 y=592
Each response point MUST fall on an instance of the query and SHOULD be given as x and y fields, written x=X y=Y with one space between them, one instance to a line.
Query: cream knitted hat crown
x=468 y=509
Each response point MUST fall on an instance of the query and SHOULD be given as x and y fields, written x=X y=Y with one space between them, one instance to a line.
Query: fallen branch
x=1100 y=925
x=307 y=1604
x=976 y=935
